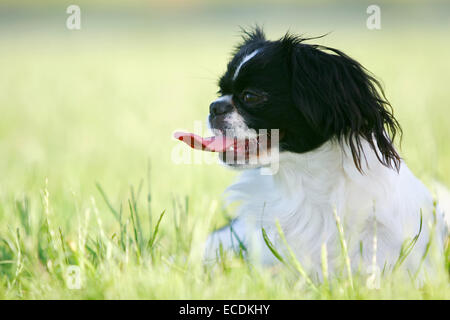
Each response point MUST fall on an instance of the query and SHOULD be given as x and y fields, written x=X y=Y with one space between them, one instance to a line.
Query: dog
x=337 y=164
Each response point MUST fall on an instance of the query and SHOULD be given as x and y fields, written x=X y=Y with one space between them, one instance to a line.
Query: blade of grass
x=108 y=203
x=61 y=238
x=136 y=215
x=294 y=259
x=406 y=248
x=152 y=239
x=343 y=247
x=271 y=247
x=136 y=237
x=324 y=263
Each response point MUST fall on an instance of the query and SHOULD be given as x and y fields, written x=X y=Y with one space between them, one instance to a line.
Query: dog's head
x=311 y=93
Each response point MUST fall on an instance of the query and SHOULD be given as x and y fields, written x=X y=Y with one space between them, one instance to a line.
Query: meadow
x=87 y=177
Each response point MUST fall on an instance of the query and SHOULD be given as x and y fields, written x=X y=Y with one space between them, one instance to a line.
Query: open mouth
x=233 y=149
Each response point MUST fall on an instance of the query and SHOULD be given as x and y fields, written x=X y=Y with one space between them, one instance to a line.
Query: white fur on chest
x=303 y=195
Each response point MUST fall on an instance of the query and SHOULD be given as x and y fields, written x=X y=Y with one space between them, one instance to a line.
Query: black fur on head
x=312 y=93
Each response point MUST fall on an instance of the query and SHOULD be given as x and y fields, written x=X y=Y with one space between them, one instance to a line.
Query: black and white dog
x=336 y=156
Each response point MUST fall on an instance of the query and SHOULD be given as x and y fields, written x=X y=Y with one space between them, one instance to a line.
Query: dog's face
x=306 y=93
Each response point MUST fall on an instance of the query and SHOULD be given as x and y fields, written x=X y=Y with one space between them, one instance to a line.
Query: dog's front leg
x=229 y=238
x=239 y=237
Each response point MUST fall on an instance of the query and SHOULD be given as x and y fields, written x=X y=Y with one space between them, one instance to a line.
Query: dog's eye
x=251 y=98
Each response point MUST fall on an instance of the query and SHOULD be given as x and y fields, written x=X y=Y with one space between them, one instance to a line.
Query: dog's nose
x=220 y=107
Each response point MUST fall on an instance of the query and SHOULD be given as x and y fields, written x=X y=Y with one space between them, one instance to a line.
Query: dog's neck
x=313 y=173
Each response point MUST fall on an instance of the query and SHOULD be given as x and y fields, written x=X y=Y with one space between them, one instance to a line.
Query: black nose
x=220 y=107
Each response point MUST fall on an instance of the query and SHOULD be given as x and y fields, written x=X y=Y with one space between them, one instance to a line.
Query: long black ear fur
x=340 y=98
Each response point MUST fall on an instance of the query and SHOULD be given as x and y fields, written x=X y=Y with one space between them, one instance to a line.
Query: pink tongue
x=213 y=144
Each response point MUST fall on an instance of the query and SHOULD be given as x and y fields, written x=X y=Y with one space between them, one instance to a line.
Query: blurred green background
x=100 y=104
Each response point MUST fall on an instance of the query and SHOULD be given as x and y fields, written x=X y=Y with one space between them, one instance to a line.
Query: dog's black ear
x=340 y=98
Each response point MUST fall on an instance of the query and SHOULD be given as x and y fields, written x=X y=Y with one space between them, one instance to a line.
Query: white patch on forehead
x=246 y=58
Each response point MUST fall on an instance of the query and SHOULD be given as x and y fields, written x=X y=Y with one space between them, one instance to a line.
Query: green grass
x=87 y=178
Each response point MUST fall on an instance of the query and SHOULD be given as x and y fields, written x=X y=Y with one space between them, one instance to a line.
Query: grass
x=87 y=177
